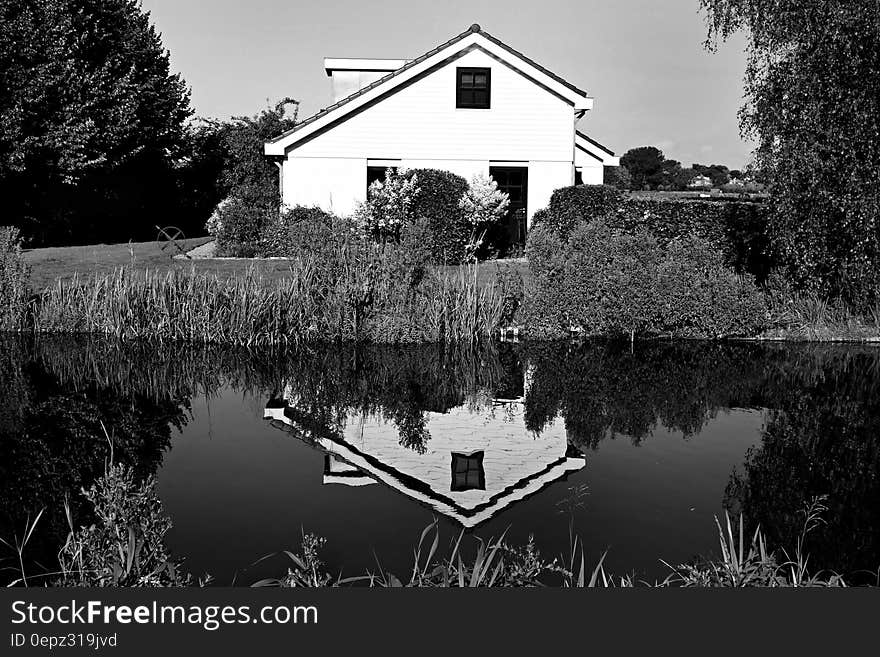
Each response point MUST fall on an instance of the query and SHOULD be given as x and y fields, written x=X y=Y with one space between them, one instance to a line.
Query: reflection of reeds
x=363 y=300
x=369 y=377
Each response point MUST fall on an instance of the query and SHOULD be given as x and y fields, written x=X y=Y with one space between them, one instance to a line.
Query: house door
x=510 y=232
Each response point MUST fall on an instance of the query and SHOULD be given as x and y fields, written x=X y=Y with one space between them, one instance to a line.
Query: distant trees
x=646 y=167
x=91 y=120
x=812 y=87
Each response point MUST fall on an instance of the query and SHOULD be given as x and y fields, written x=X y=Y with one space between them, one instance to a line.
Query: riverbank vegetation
x=349 y=290
x=125 y=546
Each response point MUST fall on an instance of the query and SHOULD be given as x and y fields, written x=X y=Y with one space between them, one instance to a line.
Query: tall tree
x=812 y=87
x=645 y=165
x=91 y=119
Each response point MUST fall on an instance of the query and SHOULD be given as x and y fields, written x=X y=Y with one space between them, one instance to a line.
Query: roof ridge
x=473 y=29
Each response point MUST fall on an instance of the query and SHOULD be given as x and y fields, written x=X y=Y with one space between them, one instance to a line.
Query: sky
x=642 y=60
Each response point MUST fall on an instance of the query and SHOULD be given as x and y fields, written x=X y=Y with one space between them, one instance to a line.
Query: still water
x=636 y=449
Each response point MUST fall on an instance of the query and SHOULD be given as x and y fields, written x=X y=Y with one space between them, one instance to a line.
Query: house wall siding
x=420 y=126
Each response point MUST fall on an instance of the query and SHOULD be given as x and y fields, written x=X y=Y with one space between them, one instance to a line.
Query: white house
x=474 y=465
x=471 y=105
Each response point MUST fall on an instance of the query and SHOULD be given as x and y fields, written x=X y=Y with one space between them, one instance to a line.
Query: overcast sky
x=642 y=60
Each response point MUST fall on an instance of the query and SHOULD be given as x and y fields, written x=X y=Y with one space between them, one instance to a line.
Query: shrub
x=390 y=205
x=13 y=280
x=412 y=194
x=738 y=229
x=483 y=205
x=238 y=221
x=126 y=546
x=569 y=206
x=301 y=231
x=700 y=297
x=606 y=281
x=438 y=201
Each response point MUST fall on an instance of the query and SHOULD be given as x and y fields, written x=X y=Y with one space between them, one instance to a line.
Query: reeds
x=13 y=281
x=362 y=301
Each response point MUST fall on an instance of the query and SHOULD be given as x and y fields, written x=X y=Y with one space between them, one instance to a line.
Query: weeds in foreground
x=126 y=547
x=744 y=562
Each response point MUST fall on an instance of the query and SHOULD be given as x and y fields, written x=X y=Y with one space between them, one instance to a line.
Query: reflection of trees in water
x=398 y=384
x=821 y=438
x=602 y=389
x=52 y=442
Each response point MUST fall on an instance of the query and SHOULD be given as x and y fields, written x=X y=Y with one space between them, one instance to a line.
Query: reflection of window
x=467 y=472
x=472 y=88
x=377 y=173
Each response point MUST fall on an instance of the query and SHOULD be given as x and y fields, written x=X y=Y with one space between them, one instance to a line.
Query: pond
x=636 y=448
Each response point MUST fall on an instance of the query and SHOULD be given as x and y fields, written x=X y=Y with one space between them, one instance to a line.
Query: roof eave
x=281 y=144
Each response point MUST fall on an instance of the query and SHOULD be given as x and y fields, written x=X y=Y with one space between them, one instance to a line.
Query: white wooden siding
x=421 y=122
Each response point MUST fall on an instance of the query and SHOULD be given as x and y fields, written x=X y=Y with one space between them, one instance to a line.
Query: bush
x=738 y=229
x=701 y=297
x=438 y=200
x=300 y=231
x=126 y=547
x=13 y=280
x=238 y=223
x=606 y=281
x=569 y=206
x=432 y=195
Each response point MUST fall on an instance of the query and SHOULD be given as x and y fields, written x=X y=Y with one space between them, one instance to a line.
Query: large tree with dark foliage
x=812 y=88
x=91 y=121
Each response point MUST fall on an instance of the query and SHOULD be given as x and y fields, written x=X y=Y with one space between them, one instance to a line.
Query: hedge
x=606 y=281
x=737 y=229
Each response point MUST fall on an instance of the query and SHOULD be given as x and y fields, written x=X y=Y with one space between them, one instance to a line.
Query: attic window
x=467 y=472
x=472 y=88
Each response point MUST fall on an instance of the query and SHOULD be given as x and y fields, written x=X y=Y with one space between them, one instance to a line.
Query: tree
x=812 y=86
x=91 y=119
x=618 y=177
x=247 y=180
x=645 y=165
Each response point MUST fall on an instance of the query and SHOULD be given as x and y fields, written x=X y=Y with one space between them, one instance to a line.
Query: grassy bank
x=49 y=265
x=137 y=291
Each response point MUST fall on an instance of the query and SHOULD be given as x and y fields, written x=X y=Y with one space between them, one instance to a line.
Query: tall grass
x=806 y=315
x=743 y=562
x=126 y=547
x=363 y=301
x=13 y=281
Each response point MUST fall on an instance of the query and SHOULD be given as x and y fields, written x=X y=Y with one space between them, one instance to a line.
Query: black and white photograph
x=351 y=295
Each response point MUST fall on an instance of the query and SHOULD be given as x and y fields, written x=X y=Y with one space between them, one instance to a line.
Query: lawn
x=50 y=264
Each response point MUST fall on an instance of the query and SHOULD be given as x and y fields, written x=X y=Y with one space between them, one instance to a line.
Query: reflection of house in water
x=474 y=464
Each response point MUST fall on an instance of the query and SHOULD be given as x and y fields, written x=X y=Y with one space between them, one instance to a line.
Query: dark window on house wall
x=467 y=472
x=376 y=173
x=578 y=177
x=472 y=89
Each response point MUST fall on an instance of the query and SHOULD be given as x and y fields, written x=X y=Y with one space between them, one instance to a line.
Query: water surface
x=636 y=449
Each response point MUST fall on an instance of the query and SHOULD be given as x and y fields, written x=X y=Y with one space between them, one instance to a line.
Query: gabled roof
x=474 y=38
x=595 y=150
x=349 y=455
